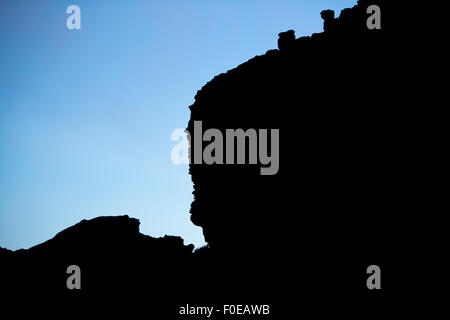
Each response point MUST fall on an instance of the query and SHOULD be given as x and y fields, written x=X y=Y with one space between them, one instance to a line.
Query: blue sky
x=86 y=115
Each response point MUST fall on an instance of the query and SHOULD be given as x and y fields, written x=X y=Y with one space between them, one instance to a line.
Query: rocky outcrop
x=111 y=253
x=5 y=253
x=328 y=94
x=344 y=169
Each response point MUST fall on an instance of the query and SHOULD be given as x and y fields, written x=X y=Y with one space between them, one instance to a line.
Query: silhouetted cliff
x=344 y=190
x=335 y=100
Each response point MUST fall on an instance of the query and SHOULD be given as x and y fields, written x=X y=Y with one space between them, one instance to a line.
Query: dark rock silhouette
x=333 y=209
x=5 y=253
x=117 y=263
x=328 y=20
x=328 y=107
x=305 y=235
x=286 y=40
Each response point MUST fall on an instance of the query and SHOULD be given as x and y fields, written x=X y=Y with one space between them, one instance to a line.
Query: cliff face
x=344 y=189
x=335 y=99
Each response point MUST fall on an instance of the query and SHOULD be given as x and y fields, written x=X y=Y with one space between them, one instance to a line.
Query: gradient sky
x=86 y=115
